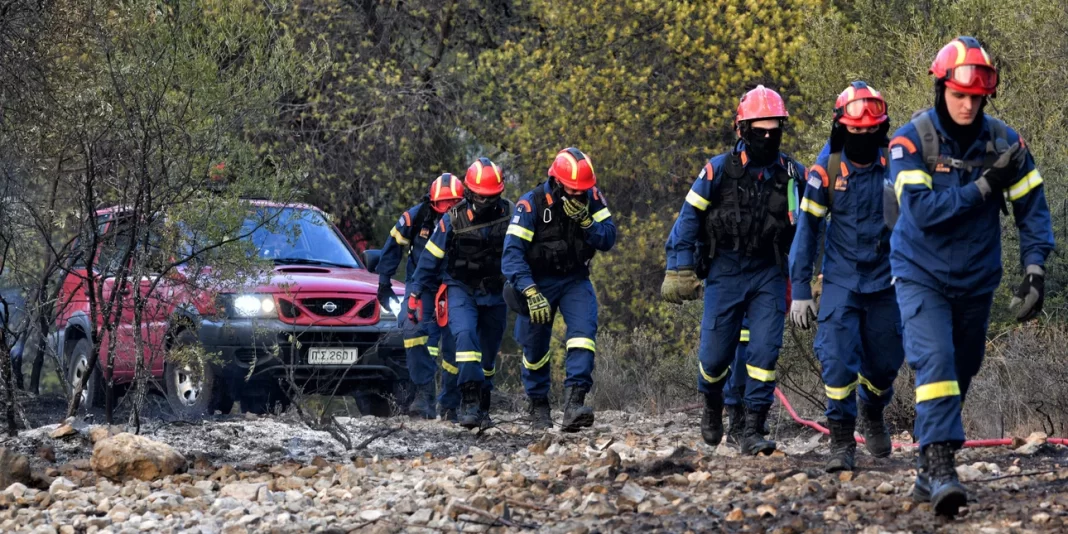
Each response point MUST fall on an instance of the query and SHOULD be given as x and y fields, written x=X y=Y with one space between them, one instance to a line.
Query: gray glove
x=803 y=313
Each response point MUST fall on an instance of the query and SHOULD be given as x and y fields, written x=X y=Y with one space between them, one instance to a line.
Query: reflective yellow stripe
x=1025 y=185
x=696 y=200
x=520 y=232
x=535 y=366
x=744 y=338
x=867 y=383
x=602 y=215
x=469 y=356
x=582 y=343
x=415 y=342
x=397 y=236
x=708 y=378
x=490 y=373
x=840 y=393
x=937 y=390
x=433 y=351
x=815 y=208
x=762 y=375
x=914 y=177
x=450 y=368
x=434 y=250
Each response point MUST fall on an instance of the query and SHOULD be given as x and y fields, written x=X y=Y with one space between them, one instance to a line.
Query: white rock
x=372 y=515
x=16 y=490
x=61 y=485
x=421 y=516
x=241 y=490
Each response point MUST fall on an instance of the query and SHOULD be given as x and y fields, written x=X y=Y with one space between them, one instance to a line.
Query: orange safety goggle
x=865 y=106
x=974 y=75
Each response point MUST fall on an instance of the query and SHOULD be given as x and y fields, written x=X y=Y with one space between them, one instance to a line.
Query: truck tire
x=189 y=386
x=78 y=365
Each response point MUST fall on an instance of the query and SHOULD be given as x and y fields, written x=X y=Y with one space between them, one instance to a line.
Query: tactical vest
x=559 y=247
x=422 y=228
x=750 y=217
x=475 y=256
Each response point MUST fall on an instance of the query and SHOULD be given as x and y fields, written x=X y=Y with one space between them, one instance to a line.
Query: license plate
x=330 y=356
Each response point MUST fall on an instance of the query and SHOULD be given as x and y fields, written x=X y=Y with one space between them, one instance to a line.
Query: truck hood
x=313 y=279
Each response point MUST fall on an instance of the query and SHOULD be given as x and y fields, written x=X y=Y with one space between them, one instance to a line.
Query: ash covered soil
x=630 y=473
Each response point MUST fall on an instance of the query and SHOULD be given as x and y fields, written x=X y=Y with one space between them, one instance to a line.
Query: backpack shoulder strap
x=834 y=168
x=1000 y=130
x=928 y=138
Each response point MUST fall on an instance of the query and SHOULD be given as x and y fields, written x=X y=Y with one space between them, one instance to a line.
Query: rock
x=542 y=445
x=845 y=476
x=766 y=510
x=1040 y=518
x=473 y=482
x=770 y=480
x=63 y=431
x=596 y=505
x=348 y=476
x=320 y=462
x=800 y=478
x=242 y=490
x=968 y=473
x=14 y=467
x=16 y=490
x=223 y=473
x=307 y=472
x=698 y=477
x=421 y=516
x=735 y=515
x=482 y=503
x=102 y=432
x=61 y=485
x=611 y=458
x=1035 y=442
x=885 y=488
x=847 y=496
x=372 y=515
x=47 y=453
x=127 y=456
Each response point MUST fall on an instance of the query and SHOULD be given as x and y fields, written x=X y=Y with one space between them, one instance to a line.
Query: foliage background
x=398 y=92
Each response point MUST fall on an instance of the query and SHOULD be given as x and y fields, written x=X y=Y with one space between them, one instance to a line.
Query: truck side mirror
x=371 y=257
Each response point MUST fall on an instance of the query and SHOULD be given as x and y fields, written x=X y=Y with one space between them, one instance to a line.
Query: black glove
x=385 y=294
x=1030 y=294
x=1006 y=168
x=838 y=133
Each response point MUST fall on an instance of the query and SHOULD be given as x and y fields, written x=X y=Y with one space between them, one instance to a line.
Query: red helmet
x=964 y=66
x=761 y=103
x=573 y=169
x=484 y=178
x=445 y=192
x=861 y=106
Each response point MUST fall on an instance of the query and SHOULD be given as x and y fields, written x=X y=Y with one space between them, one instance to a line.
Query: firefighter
x=859 y=337
x=954 y=168
x=463 y=256
x=742 y=201
x=421 y=339
x=556 y=230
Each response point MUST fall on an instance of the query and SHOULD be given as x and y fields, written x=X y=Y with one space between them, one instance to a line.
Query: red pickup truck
x=312 y=320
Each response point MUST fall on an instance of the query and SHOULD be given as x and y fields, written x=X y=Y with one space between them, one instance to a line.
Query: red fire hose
x=970 y=443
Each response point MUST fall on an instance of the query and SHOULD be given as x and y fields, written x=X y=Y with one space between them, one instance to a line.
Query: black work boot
x=540 y=417
x=449 y=414
x=736 y=424
x=485 y=398
x=947 y=493
x=712 y=419
x=576 y=414
x=843 y=445
x=921 y=490
x=424 y=404
x=873 y=428
x=753 y=442
x=470 y=396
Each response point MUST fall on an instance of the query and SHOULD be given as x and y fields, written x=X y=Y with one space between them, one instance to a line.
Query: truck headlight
x=248 y=306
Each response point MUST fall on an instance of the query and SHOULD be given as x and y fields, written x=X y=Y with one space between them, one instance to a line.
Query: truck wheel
x=189 y=385
x=93 y=394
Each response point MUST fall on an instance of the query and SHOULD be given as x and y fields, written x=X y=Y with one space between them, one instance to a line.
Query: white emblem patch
x=897 y=152
x=815 y=182
x=515 y=220
x=702 y=175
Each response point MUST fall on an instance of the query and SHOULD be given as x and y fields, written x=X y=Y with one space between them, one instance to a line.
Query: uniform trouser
x=576 y=301
x=734 y=389
x=478 y=330
x=730 y=294
x=945 y=340
x=421 y=345
x=859 y=347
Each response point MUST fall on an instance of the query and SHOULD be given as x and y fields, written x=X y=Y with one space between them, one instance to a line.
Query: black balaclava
x=963 y=135
x=558 y=190
x=480 y=207
x=762 y=151
x=863 y=149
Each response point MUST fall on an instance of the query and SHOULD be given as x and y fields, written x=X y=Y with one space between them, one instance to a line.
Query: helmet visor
x=865 y=106
x=974 y=76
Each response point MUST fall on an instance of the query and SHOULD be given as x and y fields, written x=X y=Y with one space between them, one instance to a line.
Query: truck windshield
x=295 y=236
